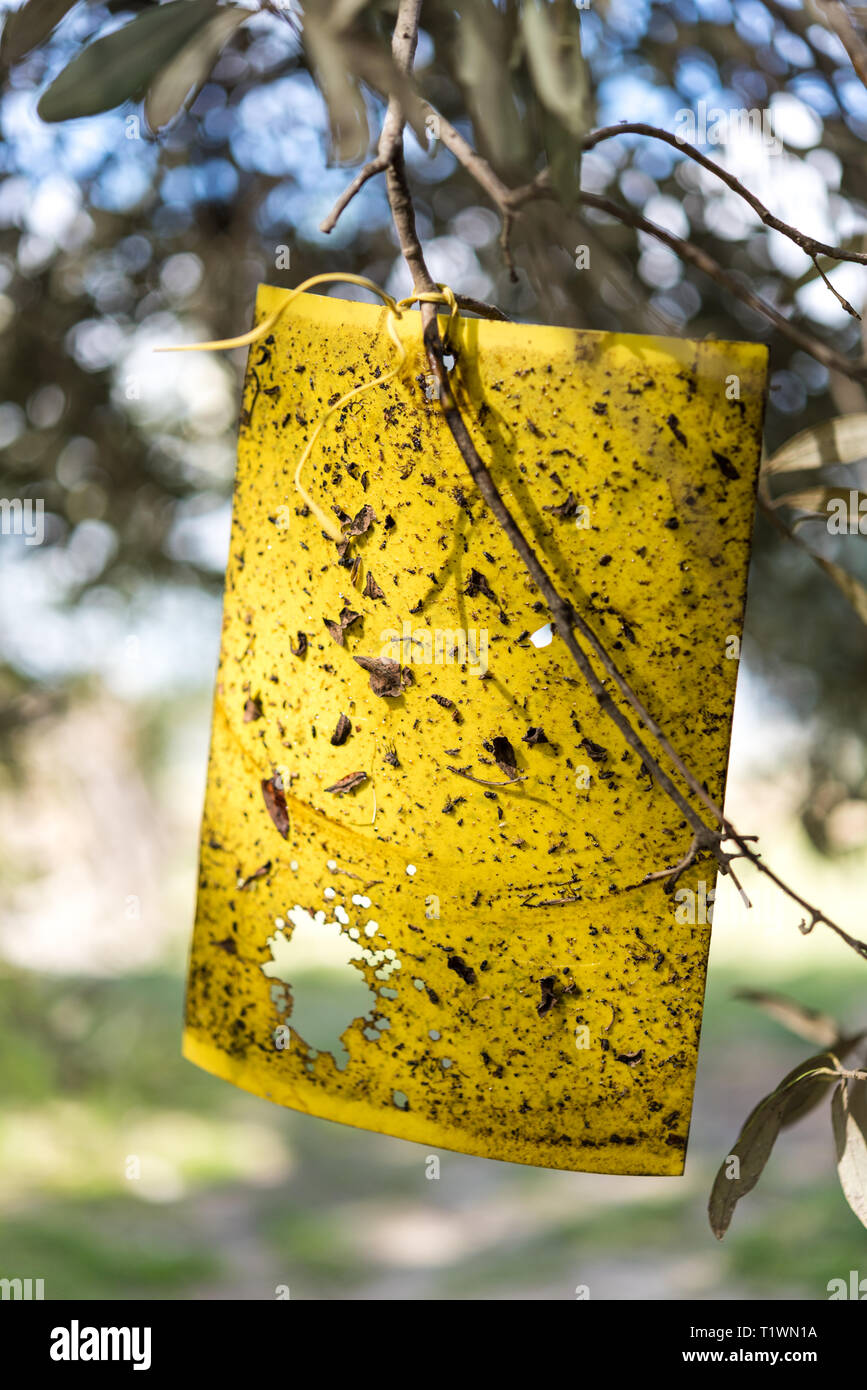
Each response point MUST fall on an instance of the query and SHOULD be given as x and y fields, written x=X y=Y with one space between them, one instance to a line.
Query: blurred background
x=125 y=1172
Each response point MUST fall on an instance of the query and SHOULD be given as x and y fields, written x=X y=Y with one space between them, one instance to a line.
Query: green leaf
x=849 y=1118
x=752 y=1151
x=26 y=28
x=183 y=77
x=796 y=1094
x=123 y=63
x=841 y=440
x=810 y=1091
x=484 y=36
x=347 y=111
x=552 y=37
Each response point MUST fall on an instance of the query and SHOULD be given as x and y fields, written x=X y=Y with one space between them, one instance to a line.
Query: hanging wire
x=394 y=309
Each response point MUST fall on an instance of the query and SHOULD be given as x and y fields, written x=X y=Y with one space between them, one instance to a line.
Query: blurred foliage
x=236 y=1198
x=113 y=239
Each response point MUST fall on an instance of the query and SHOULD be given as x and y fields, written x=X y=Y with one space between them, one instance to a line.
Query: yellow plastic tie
x=446 y=295
x=394 y=310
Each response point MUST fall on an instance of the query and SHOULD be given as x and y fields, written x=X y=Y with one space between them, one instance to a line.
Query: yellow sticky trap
x=463 y=848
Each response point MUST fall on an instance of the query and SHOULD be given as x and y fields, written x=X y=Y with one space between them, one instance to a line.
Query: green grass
x=110 y=1049
x=104 y=1250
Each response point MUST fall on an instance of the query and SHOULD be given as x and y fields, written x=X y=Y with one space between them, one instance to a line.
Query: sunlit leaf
x=841 y=440
x=26 y=28
x=839 y=504
x=184 y=76
x=122 y=64
x=849 y=1118
x=375 y=66
x=806 y=1023
x=483 y=41
x=347 y=111
x=797 y=1093
x=552 y=37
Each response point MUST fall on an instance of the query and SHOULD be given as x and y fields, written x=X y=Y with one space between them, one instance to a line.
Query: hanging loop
x=394 y=311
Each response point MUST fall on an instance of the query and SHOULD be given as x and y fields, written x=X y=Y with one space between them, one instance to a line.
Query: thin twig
x=482 y=781
x=509 y=201
x=695 y=255
x=565 y=617
x=806 y=243
x=376 y=166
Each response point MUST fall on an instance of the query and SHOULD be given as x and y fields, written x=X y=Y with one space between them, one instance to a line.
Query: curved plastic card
x=417 y=910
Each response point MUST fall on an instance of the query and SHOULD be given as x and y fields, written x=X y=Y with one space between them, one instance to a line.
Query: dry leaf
x=342 y=731
x=387 y=677
x=362 y=521
x=371 y=588
x=347 y=783
x=338 y=629
x=275 y=803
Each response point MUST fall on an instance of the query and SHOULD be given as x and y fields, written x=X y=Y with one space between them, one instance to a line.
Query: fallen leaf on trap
x=347 y=783
x=338 y=629
x=362 y=521
x=371 y=588
x=387 y=677
x=342 y=732
x=275 y=804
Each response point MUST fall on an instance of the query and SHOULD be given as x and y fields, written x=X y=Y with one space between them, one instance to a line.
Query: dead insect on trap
x=410 y=781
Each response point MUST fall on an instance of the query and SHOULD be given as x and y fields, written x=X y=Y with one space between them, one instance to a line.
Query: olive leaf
x=796 y=1094
x=807 y=1023
x=841 y=440
x=484 y=38
x=849 y=1119
x=122 y=64
x=375 y=66
x=184 y=76
x=26 y=28
x=552 y=37
x=840 y=503
x=341 y=91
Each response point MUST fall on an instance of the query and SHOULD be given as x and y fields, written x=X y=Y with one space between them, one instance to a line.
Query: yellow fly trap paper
x=417 y=907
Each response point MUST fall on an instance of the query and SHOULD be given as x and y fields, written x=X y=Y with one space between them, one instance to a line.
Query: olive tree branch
x=839 y=20
x=510 y=201
x=706 y=837
x=807 y=243
x=694 y=255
